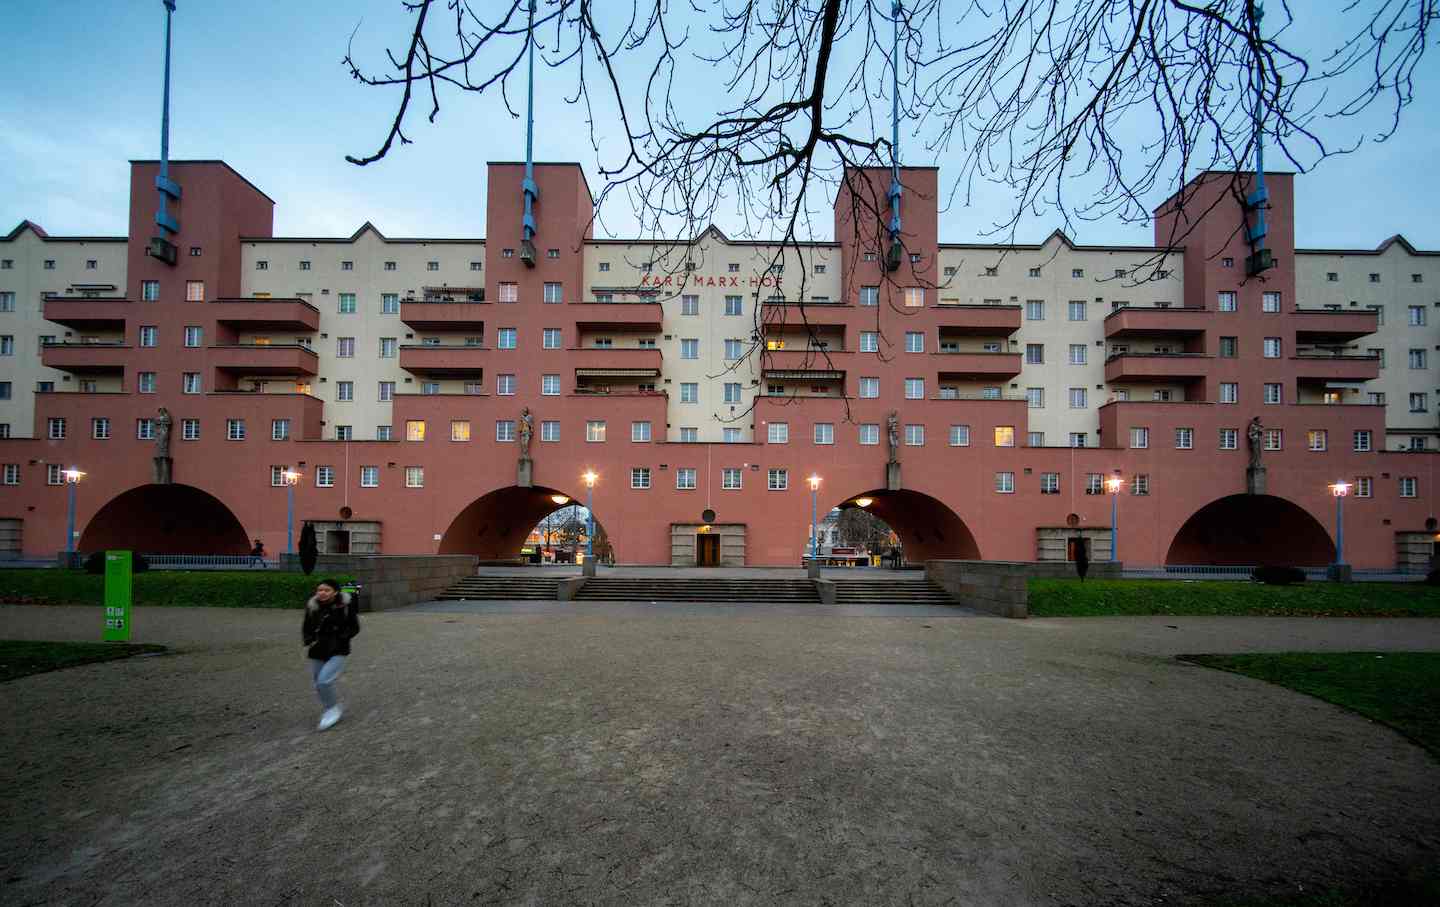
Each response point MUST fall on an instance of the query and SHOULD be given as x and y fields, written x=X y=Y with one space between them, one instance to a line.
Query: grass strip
x=163 y=588
x=1177 y=598
x=22 y=658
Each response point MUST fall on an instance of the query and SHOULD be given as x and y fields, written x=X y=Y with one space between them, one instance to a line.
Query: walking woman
x=332 y=619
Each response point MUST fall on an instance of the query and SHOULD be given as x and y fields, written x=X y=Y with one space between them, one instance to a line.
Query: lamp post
x=1339 y=490
x=72 y=478
x=589 y=478
x=814 y=516
x=1114 y=484
x=291 y=478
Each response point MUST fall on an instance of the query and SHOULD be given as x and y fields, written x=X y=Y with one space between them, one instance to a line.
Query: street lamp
x=1113 y=485
x=1340 y=490
x=590 y=478
x=291 y=477
x=814 y=525
x=72 y=478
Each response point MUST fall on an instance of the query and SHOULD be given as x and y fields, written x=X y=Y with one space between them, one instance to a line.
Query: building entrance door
x=1072 y=548
x=707 y=550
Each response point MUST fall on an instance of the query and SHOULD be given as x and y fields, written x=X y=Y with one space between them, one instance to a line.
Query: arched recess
x=927 y=528
x=166 y=519
x=495 y=525
x=1252 y=529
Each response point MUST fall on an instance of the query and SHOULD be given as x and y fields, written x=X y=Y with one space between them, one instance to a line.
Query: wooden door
x=707 y=550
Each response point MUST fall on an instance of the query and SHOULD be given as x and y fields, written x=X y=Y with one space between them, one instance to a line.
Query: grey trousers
x=325 y=674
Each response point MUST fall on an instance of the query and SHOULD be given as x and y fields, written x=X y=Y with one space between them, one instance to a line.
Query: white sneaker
x=329 y=717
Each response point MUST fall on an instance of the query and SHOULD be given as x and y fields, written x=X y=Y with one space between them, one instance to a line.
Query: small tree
x=309 y=549
x=862 y=529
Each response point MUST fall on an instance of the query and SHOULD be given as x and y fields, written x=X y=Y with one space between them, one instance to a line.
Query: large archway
x=926 y=527
x=1252 y=529
x=166 y=519
x=495 y=526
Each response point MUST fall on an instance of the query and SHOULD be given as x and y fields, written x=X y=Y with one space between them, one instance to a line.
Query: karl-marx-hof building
x=441 y=395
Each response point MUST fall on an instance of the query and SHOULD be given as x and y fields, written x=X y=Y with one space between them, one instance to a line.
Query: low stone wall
x=1001 y=587
x=1066 y=569
x=394 y=581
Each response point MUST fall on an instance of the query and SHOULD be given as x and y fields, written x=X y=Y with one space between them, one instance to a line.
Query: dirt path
x=674 y=755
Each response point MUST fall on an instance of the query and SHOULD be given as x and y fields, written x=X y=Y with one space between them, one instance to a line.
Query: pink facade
x=1195 y=508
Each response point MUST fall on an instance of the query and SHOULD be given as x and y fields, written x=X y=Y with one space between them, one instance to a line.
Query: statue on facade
x=892 y=424
x=1255 y=435
x=162 y=433
x=527 y=430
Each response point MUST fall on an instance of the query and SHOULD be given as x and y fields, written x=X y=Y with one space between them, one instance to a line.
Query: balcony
x=615 y=363
x=86 y=358
x=436 y=361
x=978 y=320
x=1142 y=321
x=264 y=359
x=1156 y=367
x=1325 y=367
x=1322 y=326
x=993 y=366
x=88 y=313
x=443 y=315
x=634 y=317
x=250 y=314
x=806 y=364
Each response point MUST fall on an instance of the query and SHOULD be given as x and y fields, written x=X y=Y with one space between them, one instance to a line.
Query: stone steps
x=659 y=589
x=899 y=592
x=502 y=588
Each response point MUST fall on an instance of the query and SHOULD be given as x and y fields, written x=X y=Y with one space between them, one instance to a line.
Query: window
x=550 y=339
x=1078 y=398
x=1077 y=353
x=145 y=382
x=914 y=342
x=509 y=292
x=344 y=391
x=190 y=382
x=914 y=388
x=189 y=429
x=1374 y=278
x=1077 y=439
x=1274 y=439
x=914 y=436
x=1229 y=347
x=733 y=349
x=869 y=433
x=1419 y=402
x=1094 y=483
x=1417 y=278
x=235 y=429
x=1184 y=438
x=1035 y=397
x=1229 y=392
x=347 y=265
x=1049 y=483
x=554 y=293
x=415 y=430
x=1332 y=276
x=732 y=305
x=1004 y=436
x=730 y=479
x=869 y=341
x=505 y=385
x=1362 y=441
x=824 y=433
x=1317 y=438
x=914 y=297
x=505 y=339
x=595 y=430
x=44 y=387
x=640 y=477
x=689 y=305
x=730 y=435
x=344 y=432
x=1034 y=354
x=689 y=348
x=149 y=290
x=347 y=303
x=685 y=478
x=779 y=479
x=1077 y=310
x=369 y=476
x=382 y=433
x=262 y=265
x=1139 y=437
x=386 y=391
x=1364 y=486
x=432 y=265
x=732 y=392
x=505 y=430
x=1229 y=438
x=1272 y=348
x=1409 y=486
x=345 y=347
x=389 y=347
x=1005 y=482
x=389 y=303
x=277 y=476
x=869 y=296
x=144 y=429
x=1140 y=484
x=639 y=432
x=54 y=474
x=689 y=392
x=414 y=477
x=959 y=436
x=100 y=429
x=550 y=430
x=1417 y=358
x=7 y=301
x=1225 y=300
x=1417 y=316
x=1376 y=398
x=12 y=473
x=1273 y=393
x=194 y=291
x=149 y=335
x=1270 y=302
x=779 y=433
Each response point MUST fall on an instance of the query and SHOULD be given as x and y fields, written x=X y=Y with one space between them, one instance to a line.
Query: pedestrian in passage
x=257 y=553
x=332 y=619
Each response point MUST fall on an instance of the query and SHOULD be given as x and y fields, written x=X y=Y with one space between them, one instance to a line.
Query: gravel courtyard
x=631 y=754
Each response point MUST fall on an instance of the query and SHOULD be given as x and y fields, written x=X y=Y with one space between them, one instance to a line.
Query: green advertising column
x=117 y=596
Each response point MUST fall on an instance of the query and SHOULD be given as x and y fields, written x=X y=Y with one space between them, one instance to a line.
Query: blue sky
x=261 y=85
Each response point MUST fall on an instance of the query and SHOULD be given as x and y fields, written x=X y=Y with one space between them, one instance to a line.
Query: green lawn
x=199 y=588
x=20 y=659
x=1101 y=598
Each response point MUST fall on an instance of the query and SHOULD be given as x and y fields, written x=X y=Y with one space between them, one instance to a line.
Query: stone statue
x=1255 y=435
x=162 y=433
x=527 y=430
x=892 y=424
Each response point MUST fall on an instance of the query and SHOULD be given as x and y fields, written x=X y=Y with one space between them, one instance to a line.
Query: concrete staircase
x=503 y=588
x=697 y=589
x=899 y=589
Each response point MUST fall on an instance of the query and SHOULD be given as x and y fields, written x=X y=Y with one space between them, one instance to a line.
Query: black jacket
x=328 y=629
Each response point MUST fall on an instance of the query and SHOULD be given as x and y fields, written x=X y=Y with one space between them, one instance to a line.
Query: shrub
x=95 y=563
x=1433 y=578
x=1278 y=576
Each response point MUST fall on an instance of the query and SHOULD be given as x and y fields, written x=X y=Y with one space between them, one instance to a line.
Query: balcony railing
x=1156 y=366
x=978 y=364
x=1333 y=325
x=1140 y=321
x=627 y=315
x=106 y=356
x=436 y=360
x=443 y=314
x=267 y=314
x=88 y=313
x=265 y=358
x=1328 y=367
x=968 y=319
